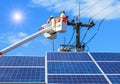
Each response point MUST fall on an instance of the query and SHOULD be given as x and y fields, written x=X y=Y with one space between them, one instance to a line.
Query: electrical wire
x=84 y=35
x=71 y=38
x=118 y=9
x=91 y=6
x=96 y=31
x=53 y=45
x=101 y=11
x=87 y=47
x=101 y=24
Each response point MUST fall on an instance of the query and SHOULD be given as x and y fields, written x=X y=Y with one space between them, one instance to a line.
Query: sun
x=17 y=16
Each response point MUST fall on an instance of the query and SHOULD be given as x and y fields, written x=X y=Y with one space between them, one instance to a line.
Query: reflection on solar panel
x=68 y=56
x=65 y=68
x=77 y=79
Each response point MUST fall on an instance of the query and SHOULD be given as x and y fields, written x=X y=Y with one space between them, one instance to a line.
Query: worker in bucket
x=49 y=20
x=63 y=16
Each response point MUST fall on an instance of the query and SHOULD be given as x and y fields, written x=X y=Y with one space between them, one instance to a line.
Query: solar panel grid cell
x=72 y=68
x=115 y=79
x=76 y=79
x=110 y=67
x=68 y=57
x=110 y=64
x=22 y=61
x=22 y=75
x=106 y=56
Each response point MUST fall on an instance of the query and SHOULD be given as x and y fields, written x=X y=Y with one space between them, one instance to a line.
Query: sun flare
x=17 y=16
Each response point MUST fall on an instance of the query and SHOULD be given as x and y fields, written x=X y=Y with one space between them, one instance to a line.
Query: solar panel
x=110 y=67
x=22 y=75
x=68 y=56
x=115 y=79
x=77 y=68
x=77 y=79
x=106 y=56
x=72 y=68
x=22 y=61
x=22 y=69
x=65 y=68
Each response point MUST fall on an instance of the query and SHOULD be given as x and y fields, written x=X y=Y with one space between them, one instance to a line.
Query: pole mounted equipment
x=77 y=25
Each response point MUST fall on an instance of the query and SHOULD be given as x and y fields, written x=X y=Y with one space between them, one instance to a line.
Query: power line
x=53 y=45
x=71 y=37
x=112 y=13
x=96 y=31
x=101 y=11
x=84 y=35
x=101 y=24
x=91 y=6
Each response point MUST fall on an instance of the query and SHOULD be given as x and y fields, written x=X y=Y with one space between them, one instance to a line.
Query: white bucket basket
x=61 y=27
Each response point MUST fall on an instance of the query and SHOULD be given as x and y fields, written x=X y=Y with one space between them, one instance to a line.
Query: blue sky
x=34 y=13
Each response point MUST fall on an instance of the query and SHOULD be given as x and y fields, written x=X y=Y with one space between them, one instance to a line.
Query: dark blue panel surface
x=106 y=56
x=110 y=67
x=22 y=61
x=115 y=79
x=76 y=79
x=68 y=56
x=22 y=75
x=72 y=68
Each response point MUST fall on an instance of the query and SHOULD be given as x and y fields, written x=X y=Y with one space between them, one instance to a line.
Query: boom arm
x=29 y=38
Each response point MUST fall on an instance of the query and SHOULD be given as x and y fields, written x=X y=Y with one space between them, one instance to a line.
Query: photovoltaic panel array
x=22 y=69
x=110 y=64
x=63 y=68
x=73 y=68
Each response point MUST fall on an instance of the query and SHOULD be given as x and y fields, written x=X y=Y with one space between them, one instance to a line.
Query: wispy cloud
x=109 y=9
x=11 y=37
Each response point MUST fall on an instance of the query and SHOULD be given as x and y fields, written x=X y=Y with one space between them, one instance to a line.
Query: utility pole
x=77 y=25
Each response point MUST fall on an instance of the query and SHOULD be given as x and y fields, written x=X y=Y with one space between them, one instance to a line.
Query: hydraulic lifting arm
x=48 y=30
x=19 y=43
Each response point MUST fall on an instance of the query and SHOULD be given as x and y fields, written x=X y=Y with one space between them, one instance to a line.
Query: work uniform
x=62 y=15
x=51 y=21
